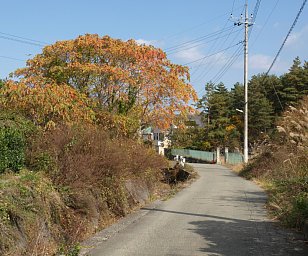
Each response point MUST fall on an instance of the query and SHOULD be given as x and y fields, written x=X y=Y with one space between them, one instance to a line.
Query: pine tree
x=220 y=130
x=203 y=103
x=295 y=83
x=260 y=109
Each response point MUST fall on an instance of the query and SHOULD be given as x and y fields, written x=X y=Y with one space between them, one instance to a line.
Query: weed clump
x=282 y=167
x=74 y=181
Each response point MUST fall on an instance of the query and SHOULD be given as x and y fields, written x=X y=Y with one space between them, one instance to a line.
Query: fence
x=195 y=154
x=231 y=158
x=235 y=158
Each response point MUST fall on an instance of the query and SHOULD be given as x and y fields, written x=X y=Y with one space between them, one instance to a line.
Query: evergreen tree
x=1 y=83
x=237 y=99
x=219 y=130
x=291 y=83
x=295 y=83
x=260 y=109
x=203 y=103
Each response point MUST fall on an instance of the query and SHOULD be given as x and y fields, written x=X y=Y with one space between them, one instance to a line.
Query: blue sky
x=164 y=24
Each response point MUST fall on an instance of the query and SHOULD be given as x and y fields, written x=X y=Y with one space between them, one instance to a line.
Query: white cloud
x=262 y=62
x=189 y=55
x=296 y=37
x=218 y=59
x=146 y=42
x=293 y=39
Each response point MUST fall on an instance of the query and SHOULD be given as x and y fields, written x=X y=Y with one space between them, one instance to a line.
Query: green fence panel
x=235 y=158
x=196 y=154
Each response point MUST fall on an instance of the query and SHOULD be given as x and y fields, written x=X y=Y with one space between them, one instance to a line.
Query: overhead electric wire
x=215 y=46
x=24 y=38
x=211 y=54
x=22 y=41
x=281 y=47
x=228 y=65
x=255 y=10
x=212 y=47
x=237 y=53
x=211 y=66
x=199 y=25
x=10 y=58
x=254 y=15
x=233 y=6
x=198 y=39
x=199 y=44
x=287 y=36
x=265 y=23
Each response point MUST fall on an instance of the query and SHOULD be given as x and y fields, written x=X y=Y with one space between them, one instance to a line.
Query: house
x=158 y=138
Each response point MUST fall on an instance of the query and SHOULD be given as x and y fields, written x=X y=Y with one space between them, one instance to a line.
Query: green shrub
x=14 y=130
x=292 y=197
x=12 y=149
x=42 y=161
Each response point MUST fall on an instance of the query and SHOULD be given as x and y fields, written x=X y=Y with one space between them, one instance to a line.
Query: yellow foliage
x=120 y=74
x=230 y=128
x=47 y=104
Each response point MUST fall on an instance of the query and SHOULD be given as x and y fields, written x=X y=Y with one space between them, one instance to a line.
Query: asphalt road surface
x=219 y=214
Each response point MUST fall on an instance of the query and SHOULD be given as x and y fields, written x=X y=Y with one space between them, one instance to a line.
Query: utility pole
x=246 y=85
x=247 y=23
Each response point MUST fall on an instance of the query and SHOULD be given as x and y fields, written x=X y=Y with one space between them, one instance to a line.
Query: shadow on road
x=243 y=238
x=235 y=237
x=190 y=214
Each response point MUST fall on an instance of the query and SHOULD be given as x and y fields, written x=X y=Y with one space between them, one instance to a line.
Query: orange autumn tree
x=122 y=76
x=46 y=104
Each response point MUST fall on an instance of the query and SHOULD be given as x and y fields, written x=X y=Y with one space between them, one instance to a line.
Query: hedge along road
x=219 y=214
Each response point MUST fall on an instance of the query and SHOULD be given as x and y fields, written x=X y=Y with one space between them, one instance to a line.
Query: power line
x=254 y=15
x=10 y=58
x=255 y=10
x=22 y=41
x=196 y=45
x=214 y=47
x=232 y=6
x=212 y=54
x=199 y=25
x=228 y=65
x=198 y=39
x=237 y=53
x=223 y=68
x=24 y=38
x=281 y=47
x=286 y=38
x=266 y=21
x=220 y=58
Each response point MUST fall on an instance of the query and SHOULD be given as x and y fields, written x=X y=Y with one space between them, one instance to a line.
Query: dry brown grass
x=79 y=185
x=282 y=168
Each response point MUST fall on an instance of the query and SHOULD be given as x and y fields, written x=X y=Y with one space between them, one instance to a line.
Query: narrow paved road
x=219 y=214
